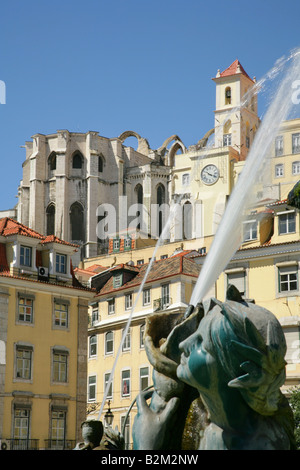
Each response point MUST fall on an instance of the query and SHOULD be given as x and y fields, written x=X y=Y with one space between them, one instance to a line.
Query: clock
x=210 y=174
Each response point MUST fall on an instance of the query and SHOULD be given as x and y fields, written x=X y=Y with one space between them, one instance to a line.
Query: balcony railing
x=59 y=444
x=162 y=303
x=20 y=444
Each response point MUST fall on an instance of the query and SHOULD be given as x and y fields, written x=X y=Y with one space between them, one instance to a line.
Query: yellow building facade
x=43 y=341
x=118 y=367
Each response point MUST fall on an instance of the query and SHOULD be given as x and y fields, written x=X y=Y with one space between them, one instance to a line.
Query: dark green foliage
x=294 y=400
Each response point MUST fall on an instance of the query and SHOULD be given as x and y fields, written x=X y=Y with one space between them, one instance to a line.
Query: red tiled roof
x=233 y=69
x=161 y=269
x=10 y=226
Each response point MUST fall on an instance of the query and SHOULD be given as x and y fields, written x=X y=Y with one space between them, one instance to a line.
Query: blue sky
x=112 y=66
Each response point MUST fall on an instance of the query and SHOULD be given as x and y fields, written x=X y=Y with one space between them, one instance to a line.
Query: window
x=60 y=314
x=116 y=244
x=279 y=146
x=142 y=332
x=58 y=429
x=23 y=362
x=117 y=280
x=52 y=162
x=164 y=257
x=165 y=294
x=127 y=341
x=109 y=342
x=296 y=168
x=296 y=143
x=287 y=223
x=95 y=315
x=250 y=230
x=247 y=142
x=279 y=170
x=50 y=216
x=61 y=263
x=100 y=164
x=25 y=309
x=21 y=426
x=128 y=301
x=144 y=378
x=292 y=335
x=25 y=256
x=127 y=243
x=125 y=385
x=226 y=140
x=111 y=306
x=77 y=222
x=92 y=388
x=140 y=262
x=238 y=279
x=77 y=161
x=185 y=179
x=288 y=278
x=60 y=366
x=146 y=296
x=110 y=390
x=93 y=346
x=228 y=95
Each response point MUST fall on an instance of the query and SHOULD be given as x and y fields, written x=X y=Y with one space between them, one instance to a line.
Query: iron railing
x=59 y=444
x=20 y=444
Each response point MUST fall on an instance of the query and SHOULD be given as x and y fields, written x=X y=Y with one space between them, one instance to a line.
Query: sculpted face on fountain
x=232 y=354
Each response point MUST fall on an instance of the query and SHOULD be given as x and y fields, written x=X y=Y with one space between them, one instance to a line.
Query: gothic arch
x=77 y=160
x=77 y=222
x=162 y=150
x=50 y=219
x=143 y=145
x=160 y=201
x=178 y=145
x=139 y=196
x=202 y=142
x=187 y=220
x=51 y=163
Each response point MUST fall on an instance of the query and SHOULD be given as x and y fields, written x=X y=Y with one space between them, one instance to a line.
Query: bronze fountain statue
x=217 y=378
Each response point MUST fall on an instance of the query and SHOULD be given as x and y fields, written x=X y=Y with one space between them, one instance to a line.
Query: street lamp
x=108 y=417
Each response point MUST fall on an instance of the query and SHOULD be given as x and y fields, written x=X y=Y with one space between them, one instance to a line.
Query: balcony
x=59 y=444
x=162 y=303
x=20 y=444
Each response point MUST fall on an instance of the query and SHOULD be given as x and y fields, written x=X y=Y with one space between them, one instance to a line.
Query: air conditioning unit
x=43 y=273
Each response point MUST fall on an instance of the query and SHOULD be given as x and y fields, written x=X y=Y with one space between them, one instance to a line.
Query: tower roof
x=233 y=69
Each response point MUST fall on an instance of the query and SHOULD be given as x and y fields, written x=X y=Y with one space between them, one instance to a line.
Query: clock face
x=210 y=174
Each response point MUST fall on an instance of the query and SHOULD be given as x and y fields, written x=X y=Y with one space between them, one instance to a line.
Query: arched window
x=50 y=216
x=52 y=163
x=100 y=164
x=227 y=133
x=77 y=160
x=77 y=222
x=228 y=95
x=161 y=195
x=139 y=193
x=187 y=220
x=139 y=200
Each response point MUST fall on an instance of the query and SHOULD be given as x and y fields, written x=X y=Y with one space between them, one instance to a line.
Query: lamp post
x=108 y=417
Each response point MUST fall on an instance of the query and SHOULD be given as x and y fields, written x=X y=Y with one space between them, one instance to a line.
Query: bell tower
x=236 y=119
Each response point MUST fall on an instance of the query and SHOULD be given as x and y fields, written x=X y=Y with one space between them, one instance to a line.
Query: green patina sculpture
x=293 y=198
x=232 y=355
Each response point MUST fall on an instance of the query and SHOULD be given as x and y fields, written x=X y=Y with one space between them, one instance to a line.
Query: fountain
x=198 y=359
